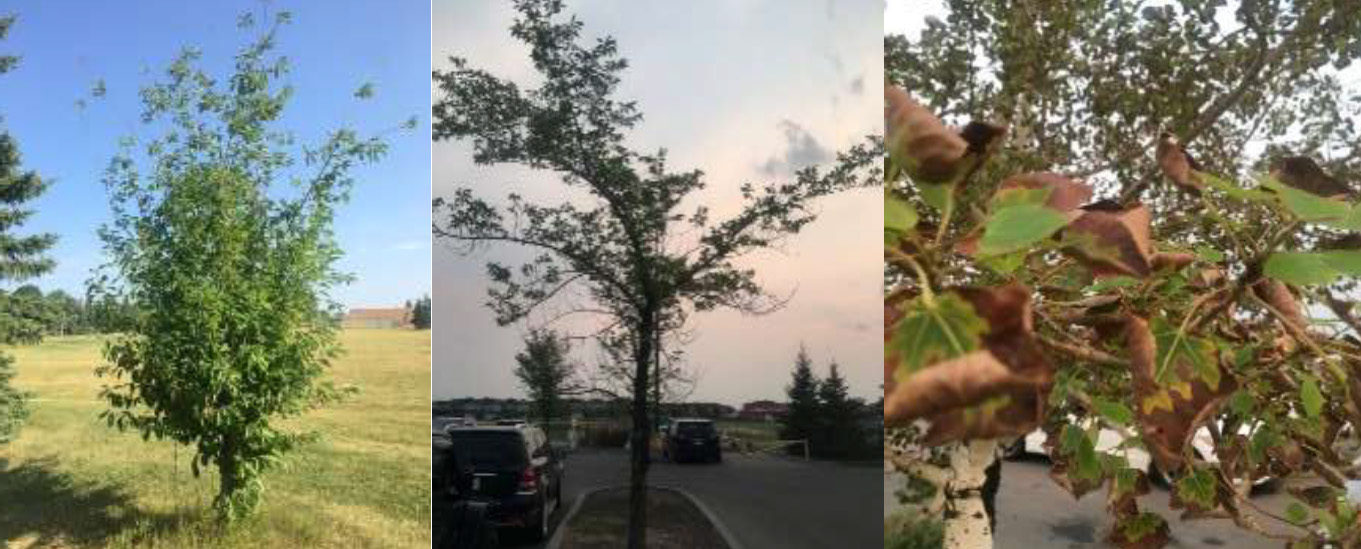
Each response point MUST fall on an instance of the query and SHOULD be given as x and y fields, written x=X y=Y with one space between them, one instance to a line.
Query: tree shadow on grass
x=41 y=506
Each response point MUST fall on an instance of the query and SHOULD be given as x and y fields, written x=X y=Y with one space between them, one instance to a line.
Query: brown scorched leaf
x=997 y=389
x=927 y=149
x=1301 y=172
x=1177 y=164
x=1168 y=415
x=1112 y=243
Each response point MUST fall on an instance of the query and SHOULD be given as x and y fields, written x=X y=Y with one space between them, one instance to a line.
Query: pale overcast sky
x=743 y=90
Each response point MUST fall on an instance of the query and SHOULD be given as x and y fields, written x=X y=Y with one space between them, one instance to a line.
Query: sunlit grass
x=70 y=481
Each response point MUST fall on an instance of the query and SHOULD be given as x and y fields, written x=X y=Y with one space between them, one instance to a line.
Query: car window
x=489 y=449
x=694 y=428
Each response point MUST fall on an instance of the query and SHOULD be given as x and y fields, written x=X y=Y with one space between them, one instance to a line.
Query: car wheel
x=540 y=532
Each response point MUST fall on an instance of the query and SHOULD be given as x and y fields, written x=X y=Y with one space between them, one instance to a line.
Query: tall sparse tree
x=801 y=423
x=615 y=245
x=231 y=269
x=23 y=258
x=546 y=373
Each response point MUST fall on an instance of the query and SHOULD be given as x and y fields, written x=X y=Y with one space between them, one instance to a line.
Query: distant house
x=764 y=410
x=398 y=317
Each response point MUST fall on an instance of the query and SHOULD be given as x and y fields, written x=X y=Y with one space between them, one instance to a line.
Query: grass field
x=70 y=481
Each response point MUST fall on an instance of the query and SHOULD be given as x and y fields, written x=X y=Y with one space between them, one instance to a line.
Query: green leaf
x=1347 y=262
x=1310 y=396
x=1242 y=403
x=1078 y=444
x=931 y=333
x=1115 y=412
x=899 y=215
x=1197 y=486
x=1107 y=284
x=940 y=197
x=1300 y=268
x=1309 y=207
x=1296 y=513
x=1209 y=254
x=1177 y=347
x=1016 y=227
x=1251 y=195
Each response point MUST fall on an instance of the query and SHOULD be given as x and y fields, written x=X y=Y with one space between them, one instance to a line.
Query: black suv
x=688 y=439
x=460 y=519
x=516 y=469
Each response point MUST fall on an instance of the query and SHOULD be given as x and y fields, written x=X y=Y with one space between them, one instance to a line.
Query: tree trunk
x=638 y=437
x=227 y=481
x=967 y=524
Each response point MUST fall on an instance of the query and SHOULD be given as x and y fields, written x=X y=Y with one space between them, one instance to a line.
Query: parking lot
x=765 y=501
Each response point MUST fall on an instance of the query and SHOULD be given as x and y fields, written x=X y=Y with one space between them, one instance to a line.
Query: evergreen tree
x=23 y=258
x=801 y=423
x=838 y=432
x=420 y=313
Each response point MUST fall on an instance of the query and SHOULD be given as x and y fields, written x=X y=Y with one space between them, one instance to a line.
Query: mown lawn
x=70 y=481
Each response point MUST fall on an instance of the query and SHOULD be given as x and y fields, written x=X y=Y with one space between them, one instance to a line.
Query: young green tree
x=23 y=258
x=805 y=409
x=1079 y=269
x=612 y=245
x=546 y=373
x=223 y=240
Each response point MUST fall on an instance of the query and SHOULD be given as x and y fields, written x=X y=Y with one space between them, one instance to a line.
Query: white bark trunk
x=966 y=519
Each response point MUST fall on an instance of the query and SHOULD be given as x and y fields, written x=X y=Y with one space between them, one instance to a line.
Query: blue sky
x=66 y=46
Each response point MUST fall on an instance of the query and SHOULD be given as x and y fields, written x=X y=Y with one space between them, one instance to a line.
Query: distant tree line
x=821 y=411
x=588 y=409
x=58 y=313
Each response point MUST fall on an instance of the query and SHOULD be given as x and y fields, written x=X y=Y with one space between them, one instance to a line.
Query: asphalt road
x=1033 y=512
x=764 y=501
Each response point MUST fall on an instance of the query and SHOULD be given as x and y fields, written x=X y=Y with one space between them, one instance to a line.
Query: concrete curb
x=556 y=541
x=723 y=531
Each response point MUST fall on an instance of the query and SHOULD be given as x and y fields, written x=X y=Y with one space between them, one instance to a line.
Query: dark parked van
x=516 y=469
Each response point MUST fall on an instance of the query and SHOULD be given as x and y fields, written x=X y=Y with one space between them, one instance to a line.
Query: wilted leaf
x=919 y=142
x=995 y=389
x=1301 y=172
x=1177 y=164
x=1063 y=194
x=929 y=333
x=1187 y=402
x=1277 y=294
x=1143 y=531
x=1111 y=243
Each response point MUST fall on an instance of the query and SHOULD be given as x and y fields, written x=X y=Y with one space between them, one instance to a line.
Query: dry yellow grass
x=70 y=481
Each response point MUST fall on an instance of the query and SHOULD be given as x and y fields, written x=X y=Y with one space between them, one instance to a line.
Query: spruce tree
x=801 y=423
x=837 y=434
x=22 y=259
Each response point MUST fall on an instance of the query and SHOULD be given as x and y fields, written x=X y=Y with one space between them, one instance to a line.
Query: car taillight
x=529 y=480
